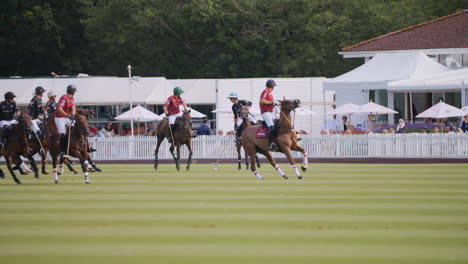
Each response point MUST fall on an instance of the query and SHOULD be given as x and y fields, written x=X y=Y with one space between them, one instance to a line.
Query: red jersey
x=172 y=104
x=266 y=94
x=66 y=104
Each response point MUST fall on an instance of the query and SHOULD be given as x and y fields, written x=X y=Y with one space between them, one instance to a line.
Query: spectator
x=401 y=126
x=100 y=132
x=464 y=125
x=231 y=133
x=108 y=131
x=436 y=129
x=391 y=130
x=220 y=132
x=151 y=131
x=324 y=132
x=460 y=131
x=332 y=132
x=384 y=131
x=424 y=130
x=204 y=129
x=344 y=124
x=448 y=129
x=348 y=132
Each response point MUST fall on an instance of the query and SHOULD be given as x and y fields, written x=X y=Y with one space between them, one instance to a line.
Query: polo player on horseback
x=35 y=109
x=266 y=107
x=64 y=116
x=8 y=111
x=236 y=108
x=51 y=105
x=172 y=110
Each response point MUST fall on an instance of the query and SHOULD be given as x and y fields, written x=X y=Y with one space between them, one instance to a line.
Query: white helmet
x=51 y=93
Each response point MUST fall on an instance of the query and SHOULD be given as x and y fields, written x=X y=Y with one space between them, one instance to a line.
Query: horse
x=17 y=144
x=286 y=140
x=181 y=135
x=77 y=145
x=244 y=115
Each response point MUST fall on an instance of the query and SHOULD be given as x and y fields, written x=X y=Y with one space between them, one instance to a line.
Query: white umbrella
x=138 y=113
x=441 y=110
x=193 y=113
x=225 y=109
x=373 y=108
x=344 y=109
x=465 y=109
x=300 y=111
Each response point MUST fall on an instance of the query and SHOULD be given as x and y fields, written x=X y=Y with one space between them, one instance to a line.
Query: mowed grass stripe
x=340 y=212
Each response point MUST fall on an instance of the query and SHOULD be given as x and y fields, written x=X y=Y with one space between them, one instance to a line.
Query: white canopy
x=441 y=110
x=227 y=109
x=138 y=113
x=447 y=80
x=193 y=113
x=373 y=108
x=386 y=67
x=300 y=111
x=344 y=109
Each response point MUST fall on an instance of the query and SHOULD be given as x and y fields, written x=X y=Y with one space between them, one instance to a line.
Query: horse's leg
x=189 y=161
x=258 y=161
x=2 y=174
x=10 y=168
x=84 y=165
x=239 y=157
x=43 y=160
x=34 y=166
x=178 y=157
x=246 y=160
x=305 y=161
x=251 y=151
x=69 y=166
x=18 y=165
x=272 y=162
x=55 y=158
x=156 y=152
x=288 y=154
x=93 y=164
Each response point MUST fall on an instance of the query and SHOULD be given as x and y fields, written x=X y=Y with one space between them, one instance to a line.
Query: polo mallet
x=217 y=161
x=68 y=143
x=40 y=143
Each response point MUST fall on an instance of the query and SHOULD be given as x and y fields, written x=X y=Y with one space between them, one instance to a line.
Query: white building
x=400 y=81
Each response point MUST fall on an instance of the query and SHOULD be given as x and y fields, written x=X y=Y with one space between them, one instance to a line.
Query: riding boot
x=271 y=139
x=63 y=143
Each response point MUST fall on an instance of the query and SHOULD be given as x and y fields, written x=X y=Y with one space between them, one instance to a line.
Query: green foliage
x=199 y=38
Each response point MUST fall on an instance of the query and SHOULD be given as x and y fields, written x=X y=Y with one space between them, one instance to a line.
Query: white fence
x=317 y=146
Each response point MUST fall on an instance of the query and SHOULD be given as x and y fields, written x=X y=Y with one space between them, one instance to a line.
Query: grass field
x=340 y=213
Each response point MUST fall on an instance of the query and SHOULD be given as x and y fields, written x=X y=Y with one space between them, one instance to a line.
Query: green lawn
x=340 y=213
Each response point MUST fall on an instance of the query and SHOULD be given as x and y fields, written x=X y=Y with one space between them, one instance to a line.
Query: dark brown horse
x=77 y=145
x=16 y=143
x=182 y=135
x=286 y=140
x=244 y=115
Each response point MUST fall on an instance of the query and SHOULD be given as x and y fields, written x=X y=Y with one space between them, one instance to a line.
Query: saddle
x=262 y=130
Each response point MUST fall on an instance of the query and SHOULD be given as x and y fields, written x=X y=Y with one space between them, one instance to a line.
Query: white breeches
x=8 y=123
x=62 y=123
x=35 y=125
x=173 y=117
x=251 y=119
x=268 y=117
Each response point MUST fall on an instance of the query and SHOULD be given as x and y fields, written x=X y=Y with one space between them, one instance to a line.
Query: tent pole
x=411 y=106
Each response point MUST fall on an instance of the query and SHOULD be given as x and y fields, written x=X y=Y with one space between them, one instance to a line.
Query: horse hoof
x=188 y=168
x=300 y=177
x=285 y=177
x=24 y=173
x=56 y=181
x=303 y=168
x=88 y=182
x=45 y=173
x=75 y=172
x=36 y=176
x=59 y=173
x=258 y=165
x=98 y=169
x=2 y=175
x=18 y=182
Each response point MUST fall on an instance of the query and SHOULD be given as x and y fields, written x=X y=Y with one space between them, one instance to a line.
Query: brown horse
x=244 y=115
x=16 y=143
x=286 y=140
x=181 y=135
x=77 y=145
